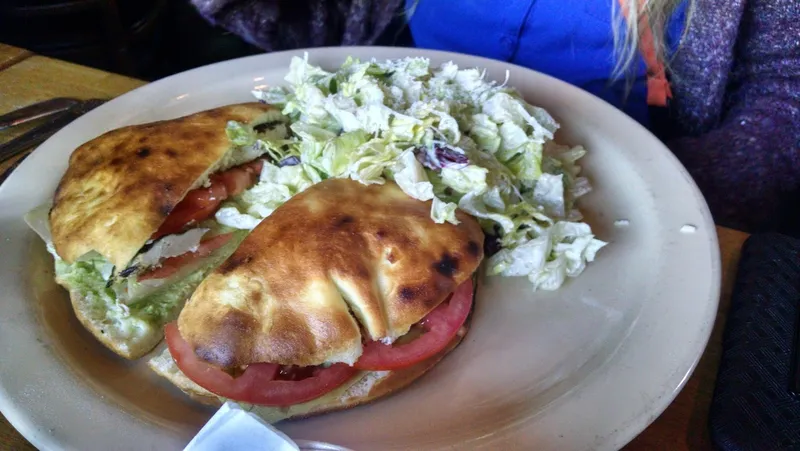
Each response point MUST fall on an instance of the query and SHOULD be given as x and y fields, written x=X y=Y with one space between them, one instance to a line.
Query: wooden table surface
x=26 y=78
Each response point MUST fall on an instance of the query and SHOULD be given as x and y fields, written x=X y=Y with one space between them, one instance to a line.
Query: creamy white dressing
x=231 y=216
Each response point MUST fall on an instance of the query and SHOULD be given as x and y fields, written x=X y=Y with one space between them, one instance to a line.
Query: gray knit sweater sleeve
x=740 y=114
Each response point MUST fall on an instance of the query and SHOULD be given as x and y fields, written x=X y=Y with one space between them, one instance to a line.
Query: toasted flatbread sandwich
x=131 y=224
x=346 y=293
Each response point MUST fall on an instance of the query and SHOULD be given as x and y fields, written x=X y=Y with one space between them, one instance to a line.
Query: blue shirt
x=567 y=39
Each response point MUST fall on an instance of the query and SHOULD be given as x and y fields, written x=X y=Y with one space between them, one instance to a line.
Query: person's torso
x=569 y=39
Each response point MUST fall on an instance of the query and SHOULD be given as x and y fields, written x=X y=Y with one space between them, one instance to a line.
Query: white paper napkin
x=232 y=428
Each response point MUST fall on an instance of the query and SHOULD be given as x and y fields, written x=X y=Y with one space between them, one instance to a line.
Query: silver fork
x=36 y=111
x=38 y=134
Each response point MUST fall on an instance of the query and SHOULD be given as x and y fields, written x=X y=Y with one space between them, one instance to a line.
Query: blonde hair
x=638 y=18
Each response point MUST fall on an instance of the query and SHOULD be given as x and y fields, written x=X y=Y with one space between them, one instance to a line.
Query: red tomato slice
x=201 y=203
x=198 y=205
x=171 y=265
x=440 y=326
x=209 y=376
x=238 y=179
x=260 y=383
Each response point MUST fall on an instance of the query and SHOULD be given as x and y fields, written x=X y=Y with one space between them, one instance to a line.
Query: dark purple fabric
x=736 y=82
x=737 y=107
x=281 y=24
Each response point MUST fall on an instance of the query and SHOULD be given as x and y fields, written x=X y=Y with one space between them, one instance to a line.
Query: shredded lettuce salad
x=444 y=134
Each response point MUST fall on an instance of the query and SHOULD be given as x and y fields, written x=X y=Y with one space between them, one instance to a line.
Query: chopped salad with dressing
x=443 y=134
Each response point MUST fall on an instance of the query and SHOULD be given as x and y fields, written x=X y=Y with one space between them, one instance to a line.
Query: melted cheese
x=172 y=246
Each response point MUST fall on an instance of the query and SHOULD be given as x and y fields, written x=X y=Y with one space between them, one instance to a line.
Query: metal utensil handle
x=36 y=111
x=37 y=135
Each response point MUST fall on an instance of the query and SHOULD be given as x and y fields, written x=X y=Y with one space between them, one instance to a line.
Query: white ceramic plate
x=586 y=367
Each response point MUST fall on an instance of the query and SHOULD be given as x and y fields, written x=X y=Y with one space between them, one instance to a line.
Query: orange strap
x=658 y=90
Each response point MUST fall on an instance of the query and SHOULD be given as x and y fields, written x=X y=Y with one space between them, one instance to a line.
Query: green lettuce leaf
x=240 y=134
x=410 y=176
x=444 y=212
x=485 y=133
x=469 y=179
